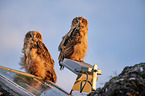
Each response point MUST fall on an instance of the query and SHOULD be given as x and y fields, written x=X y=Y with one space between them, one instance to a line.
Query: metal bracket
x=87 y=75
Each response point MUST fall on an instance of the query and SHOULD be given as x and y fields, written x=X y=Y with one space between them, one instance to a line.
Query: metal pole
x=95 y=67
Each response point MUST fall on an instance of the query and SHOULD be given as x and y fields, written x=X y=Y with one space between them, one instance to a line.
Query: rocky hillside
x=131 y=82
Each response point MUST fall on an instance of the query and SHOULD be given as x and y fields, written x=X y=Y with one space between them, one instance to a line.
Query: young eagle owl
x=74 y=44
x=37 y=59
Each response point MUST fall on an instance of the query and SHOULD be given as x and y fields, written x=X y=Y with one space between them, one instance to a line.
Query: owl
x=74 y=44
x=37 y=59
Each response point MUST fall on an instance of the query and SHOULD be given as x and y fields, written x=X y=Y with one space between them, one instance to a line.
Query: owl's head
x=33 y=36
x=79 y=22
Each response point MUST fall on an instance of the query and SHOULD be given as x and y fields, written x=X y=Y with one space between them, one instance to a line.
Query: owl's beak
x=80 y=24
x=32 y=38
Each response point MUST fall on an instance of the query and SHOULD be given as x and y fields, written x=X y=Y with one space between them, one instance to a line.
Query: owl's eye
x=75 y=21
x=38 y=36
x=84 y=21
x=28 y=35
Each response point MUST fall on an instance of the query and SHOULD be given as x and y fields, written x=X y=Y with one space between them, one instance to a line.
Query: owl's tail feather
x=51 y=75
x=61 y=67
x=60 y=58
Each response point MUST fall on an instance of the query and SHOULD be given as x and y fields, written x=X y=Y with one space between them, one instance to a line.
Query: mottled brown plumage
x=37 y=59
x=74 y=44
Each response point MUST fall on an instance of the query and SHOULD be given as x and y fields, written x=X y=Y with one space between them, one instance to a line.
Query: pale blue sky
x=116 y=34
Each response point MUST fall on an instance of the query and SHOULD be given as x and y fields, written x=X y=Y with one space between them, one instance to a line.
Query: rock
x=131 y=82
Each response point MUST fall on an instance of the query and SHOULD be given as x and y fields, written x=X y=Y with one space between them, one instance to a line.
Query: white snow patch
x=141 y=69
x=131 y=78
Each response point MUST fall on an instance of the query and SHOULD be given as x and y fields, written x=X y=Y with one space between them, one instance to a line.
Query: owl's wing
x=66 y=46
x=44 y=53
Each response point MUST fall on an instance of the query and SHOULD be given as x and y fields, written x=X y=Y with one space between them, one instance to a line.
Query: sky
x=116 y=32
